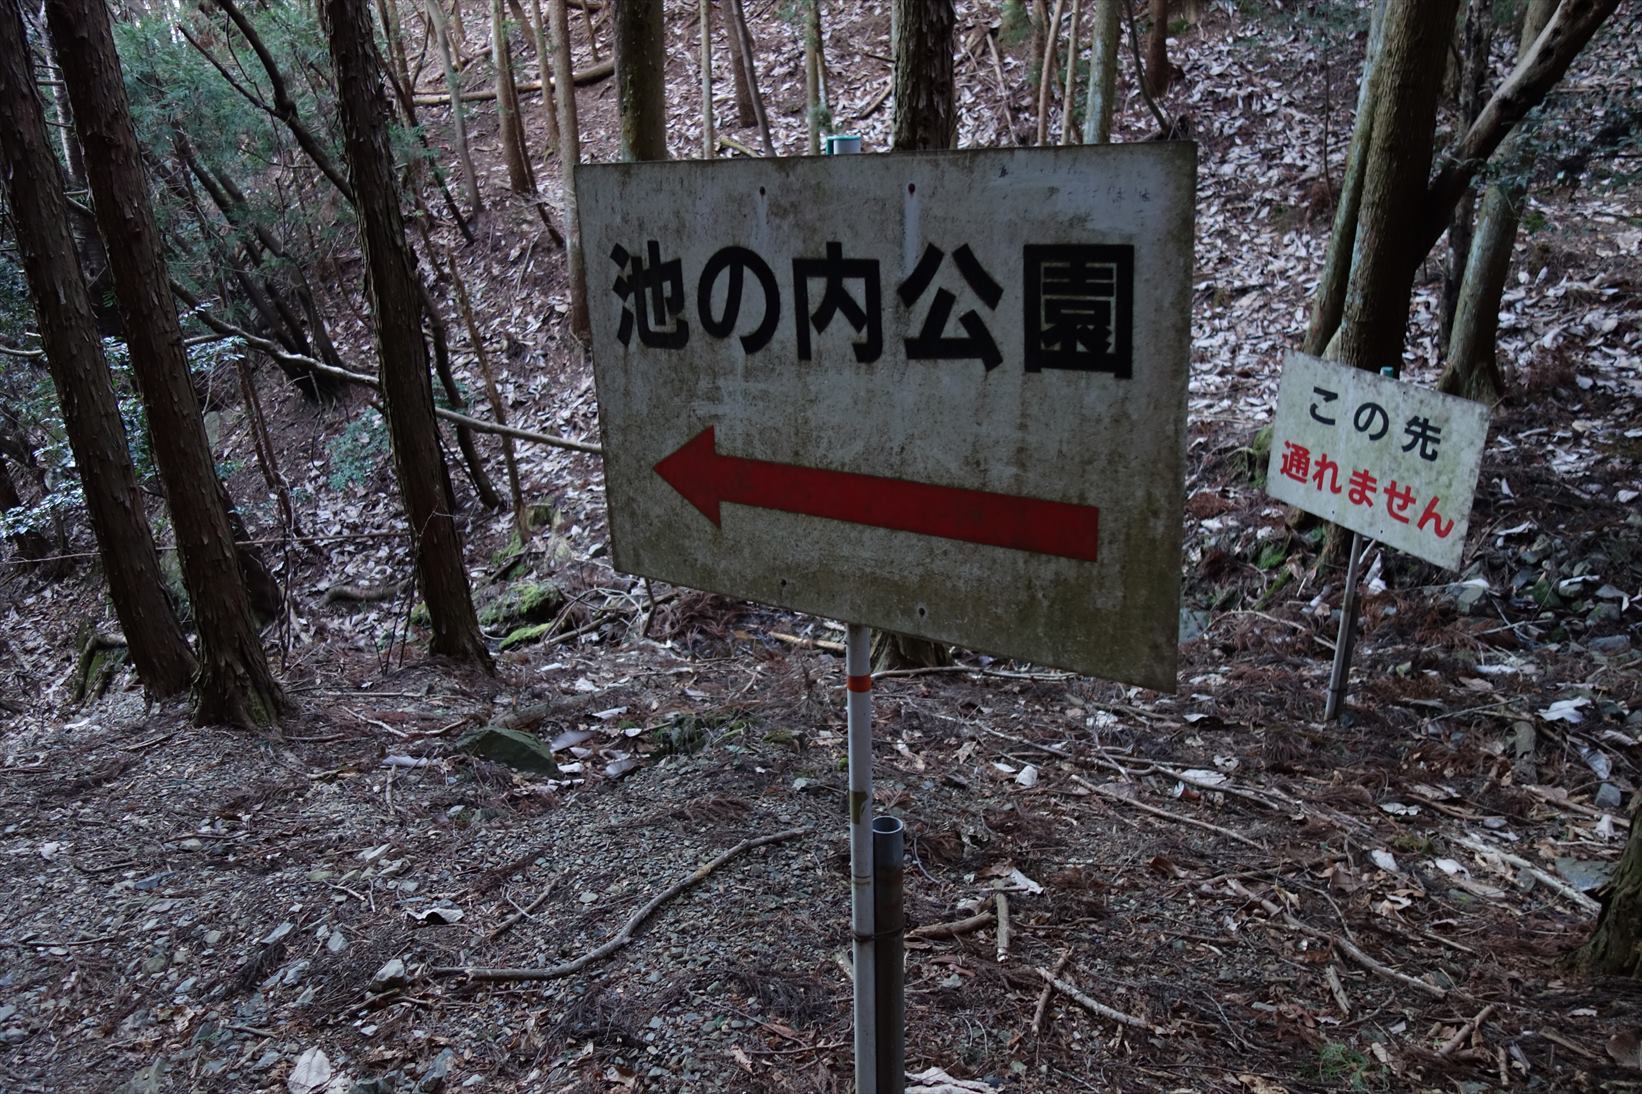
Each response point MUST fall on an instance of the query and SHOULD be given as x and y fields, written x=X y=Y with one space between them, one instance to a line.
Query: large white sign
x=1391 y=460
x=939 y=393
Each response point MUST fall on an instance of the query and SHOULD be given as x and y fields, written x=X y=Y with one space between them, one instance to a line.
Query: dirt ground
x=1276 y=904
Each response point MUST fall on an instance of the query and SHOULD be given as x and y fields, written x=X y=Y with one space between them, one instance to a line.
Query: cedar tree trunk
x=740 y=61
x=234 y=684
x=570 y=154
x=396 y=301
x=641 y=78
x=1374 y=321
x=507 y=106
x=1157 y=49
x=1097 y=112
x=925 y=116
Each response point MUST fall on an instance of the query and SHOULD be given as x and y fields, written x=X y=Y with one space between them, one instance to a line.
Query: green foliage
x=358 y=451
x=1348 y=1068
x=177 y=93
x=1016 y=25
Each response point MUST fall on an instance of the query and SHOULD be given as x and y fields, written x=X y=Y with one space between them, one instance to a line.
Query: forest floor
x=1382 y=903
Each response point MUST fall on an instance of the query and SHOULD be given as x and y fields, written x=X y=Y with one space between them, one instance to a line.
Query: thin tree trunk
x=925 y=119
x=1157 y=50
x=1476 y=37
x=641 y=67
x=925 y=115
x=749 y=57
x=570 y=155
x=812 y=75
x=459 y=33
x=1046 y=73
x=407 y=390
x=1103 y=44
x=521 y=514
x=1374 y=321
x=234 y=684
x=388 y=12
x=1068 y=127
x=1472 y=369
x=544 y=68
x=507 y=106
x=709 y=139
x=458 y=116
x=1330 y=297
x=592 y=32
x=739 y=68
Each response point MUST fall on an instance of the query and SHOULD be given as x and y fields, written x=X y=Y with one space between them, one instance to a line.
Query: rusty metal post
x=1347 y=637
x=890 y=987
x=858 y=710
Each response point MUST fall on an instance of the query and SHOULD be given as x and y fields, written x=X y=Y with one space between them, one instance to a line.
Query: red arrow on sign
x=708 y=479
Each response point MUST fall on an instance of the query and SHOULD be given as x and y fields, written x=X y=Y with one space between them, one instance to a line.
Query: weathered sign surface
x=941 y=394
x=1392 y=460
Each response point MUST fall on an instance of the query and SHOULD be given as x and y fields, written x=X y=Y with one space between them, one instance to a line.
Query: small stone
x=1610 y=644
x=1608 y=797
x=156 y=962
x=512 y=747
x=390 y=976
x=278 y=933
x=433 y=1079
x=192 y=844
x=11 y=1035
x=213 y=937
x=336 y=943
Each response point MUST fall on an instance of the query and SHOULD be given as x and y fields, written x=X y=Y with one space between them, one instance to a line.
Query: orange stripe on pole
x=859 y=683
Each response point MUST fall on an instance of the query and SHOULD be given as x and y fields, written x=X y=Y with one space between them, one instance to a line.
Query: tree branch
x=284 y=107
x=1565 y=34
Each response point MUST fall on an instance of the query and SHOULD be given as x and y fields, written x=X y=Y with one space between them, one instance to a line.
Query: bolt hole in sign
x=938 y=393
x=1392 y=460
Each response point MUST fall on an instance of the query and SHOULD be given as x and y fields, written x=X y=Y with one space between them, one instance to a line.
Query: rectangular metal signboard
x=937 y=393
x=1391 y=460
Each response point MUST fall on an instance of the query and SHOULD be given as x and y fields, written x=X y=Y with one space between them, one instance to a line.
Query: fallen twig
x=1465 y=1032
x=1042 y=1009
x=808 y=643
x=523 y=913
x=955 y=928
x=621 y=937
x=1101 y=1009
x=1234 y=791
x=1551 y=881
x=1344 y=945
x=1111 y=795
x=1002 y=903
x=589 y=75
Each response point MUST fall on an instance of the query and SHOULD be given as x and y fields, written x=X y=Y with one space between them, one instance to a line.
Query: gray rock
x=1610 y=644
x=390 y=976
x=149 y=1080
x=433 y=1079
x=512 y=747
x=336 y=943
x=1608 y=797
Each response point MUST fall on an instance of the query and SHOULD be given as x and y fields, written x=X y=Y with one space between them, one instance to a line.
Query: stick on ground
x=623 y=936
x=1100 y=1009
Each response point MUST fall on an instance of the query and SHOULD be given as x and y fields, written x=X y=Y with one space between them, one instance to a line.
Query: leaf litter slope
x=191 y=912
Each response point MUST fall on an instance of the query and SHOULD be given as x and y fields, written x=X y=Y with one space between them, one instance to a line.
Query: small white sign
x=1391 y=460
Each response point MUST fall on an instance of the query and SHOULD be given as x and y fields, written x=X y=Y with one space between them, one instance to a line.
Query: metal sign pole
x=858 y=708
x=1347 y=636
x=858 y=713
